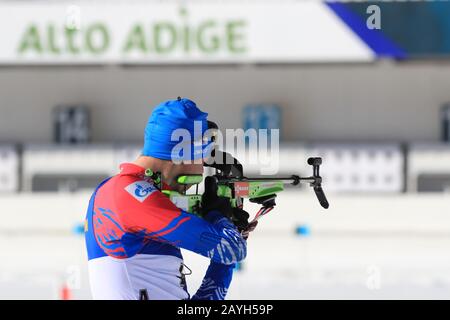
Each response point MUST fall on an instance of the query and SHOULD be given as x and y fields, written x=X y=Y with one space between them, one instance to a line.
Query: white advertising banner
x=158 y=32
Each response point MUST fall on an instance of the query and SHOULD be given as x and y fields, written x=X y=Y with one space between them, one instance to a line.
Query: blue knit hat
x=162 y=140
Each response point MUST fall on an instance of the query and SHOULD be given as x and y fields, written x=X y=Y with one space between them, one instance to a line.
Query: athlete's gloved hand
x=212 y=202
x=219 y=204
x=240 y=218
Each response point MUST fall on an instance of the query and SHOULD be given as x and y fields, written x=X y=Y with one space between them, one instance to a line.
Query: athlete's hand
x=212 y=202
x=240 y=219
x=220 y=204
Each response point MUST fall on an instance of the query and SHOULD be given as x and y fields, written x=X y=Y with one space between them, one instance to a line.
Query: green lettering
x=51 y=40
x=160 y=30
x=213 y=41
x=234 y=36
x=186 y=39
x=70 y=33
x=136 y=40
x=97 y=30
x=186 y=32
x=31 y=40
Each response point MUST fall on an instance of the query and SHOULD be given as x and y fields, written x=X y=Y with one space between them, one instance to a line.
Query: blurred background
x=364 y=85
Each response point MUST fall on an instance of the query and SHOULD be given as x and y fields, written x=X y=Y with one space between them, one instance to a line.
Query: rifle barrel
x=294 y=179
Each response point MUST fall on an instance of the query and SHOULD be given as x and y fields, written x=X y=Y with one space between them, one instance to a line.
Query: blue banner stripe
x=375 y=39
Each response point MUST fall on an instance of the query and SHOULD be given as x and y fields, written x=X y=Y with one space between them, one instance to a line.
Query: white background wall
x=381 y=101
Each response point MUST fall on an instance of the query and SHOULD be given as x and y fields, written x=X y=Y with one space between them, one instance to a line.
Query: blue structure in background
x=262 y=116
x=303 y=230
x=78 y=229
x=409 y=29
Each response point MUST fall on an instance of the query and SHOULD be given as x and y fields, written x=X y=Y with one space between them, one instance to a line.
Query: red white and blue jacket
x=133 y=237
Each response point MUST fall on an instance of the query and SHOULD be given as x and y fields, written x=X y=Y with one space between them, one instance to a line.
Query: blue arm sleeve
x=214 y=237
x=216 y=282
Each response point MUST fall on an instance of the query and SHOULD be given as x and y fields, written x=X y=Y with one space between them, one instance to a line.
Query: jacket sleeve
x=216 y=282
x=156 y=217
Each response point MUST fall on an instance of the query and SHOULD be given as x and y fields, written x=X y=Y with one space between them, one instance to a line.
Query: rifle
x=229 y=181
